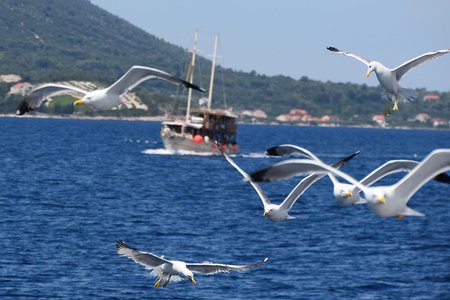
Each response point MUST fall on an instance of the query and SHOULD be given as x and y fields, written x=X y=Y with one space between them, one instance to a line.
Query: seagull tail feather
x=407 y=95
x=411 y=212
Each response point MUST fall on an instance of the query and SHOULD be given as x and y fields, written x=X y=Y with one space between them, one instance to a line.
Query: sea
x=71 y=188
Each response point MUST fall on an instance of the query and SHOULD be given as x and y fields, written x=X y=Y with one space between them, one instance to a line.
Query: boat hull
x=179 y=143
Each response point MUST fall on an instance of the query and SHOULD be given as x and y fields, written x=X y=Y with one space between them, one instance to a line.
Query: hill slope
x=52 y=40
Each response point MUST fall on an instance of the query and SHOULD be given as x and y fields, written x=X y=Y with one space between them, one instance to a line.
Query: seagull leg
x=395 y=106
x=395 y=103
x=158 y=283
x=387 y=112
x=167 y=281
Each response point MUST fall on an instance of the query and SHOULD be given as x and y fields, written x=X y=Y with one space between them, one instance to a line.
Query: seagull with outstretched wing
x=100 y=99
x=167 y=270
x=389 y=78
x=385 y=201
x=348 y=194
x=280 y=212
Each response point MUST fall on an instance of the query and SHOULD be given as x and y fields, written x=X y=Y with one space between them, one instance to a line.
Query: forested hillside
x=53 y=40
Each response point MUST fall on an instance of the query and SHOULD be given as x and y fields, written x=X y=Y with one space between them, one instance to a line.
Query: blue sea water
x=71 y=188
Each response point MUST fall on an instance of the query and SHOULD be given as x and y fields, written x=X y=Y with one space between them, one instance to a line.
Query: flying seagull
x=280 y=212
x=166 y=269
x=101 y=99
x=348 y=194
x=389 y=78
x=385 y=201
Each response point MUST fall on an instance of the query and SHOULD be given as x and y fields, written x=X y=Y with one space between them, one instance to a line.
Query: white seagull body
x=396 y=196
x=101 y=99
x=167 y=270
x=385 y=201
x=389 y=78
x=280 y=212
x=348 y=194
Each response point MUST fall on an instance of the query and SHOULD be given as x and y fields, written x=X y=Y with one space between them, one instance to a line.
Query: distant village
x=296 y=116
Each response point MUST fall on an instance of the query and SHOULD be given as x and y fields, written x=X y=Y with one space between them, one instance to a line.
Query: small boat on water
x=198 y=130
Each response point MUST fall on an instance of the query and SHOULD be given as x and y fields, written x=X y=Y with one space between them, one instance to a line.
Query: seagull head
x=79 y=102
x=370 y=68
x=85 y=100
x=91 y=97
x=275 y=213
x=381 y=200
x=376 y=197
x=270 y=210
x=342 y=194
x=345 y=193
x=190 y=276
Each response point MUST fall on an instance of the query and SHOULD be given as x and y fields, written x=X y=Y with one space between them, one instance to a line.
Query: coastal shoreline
x=161 y=118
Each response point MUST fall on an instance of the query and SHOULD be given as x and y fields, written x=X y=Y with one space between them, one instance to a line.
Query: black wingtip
x=23 y=108
x=333 y=49
x=350 y=157
x=345 y=160
x=259 y=176
x=120 y=244
x=280 y=151
x=443 y=178
x=273 y=151
x=189 y=85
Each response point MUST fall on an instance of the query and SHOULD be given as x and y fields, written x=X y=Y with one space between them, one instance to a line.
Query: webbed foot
x=158 y=282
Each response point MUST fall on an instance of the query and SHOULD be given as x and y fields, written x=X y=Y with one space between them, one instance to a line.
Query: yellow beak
x=368 y=74
x=78 y=102
x=381 y=200
x=192 y=280
x=349 y=194
x=265 y=213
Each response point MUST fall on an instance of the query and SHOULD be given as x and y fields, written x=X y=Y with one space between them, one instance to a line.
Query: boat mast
x=191 y=78
x=213 y=67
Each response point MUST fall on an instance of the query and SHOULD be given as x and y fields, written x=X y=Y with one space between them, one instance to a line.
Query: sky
x=289 y=37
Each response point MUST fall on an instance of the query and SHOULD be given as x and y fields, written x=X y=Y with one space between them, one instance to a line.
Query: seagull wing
x=395 y=166
x=435 y=163
x=309 y=180
x=137 y=74
x=403 y=68
x=392 y=166
x=358 y=57
x=38 y=95
x=288 y=149
x=256 y=186
x=294 y=167
x=301 y=187
x=148 y=260
x=212 y=268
